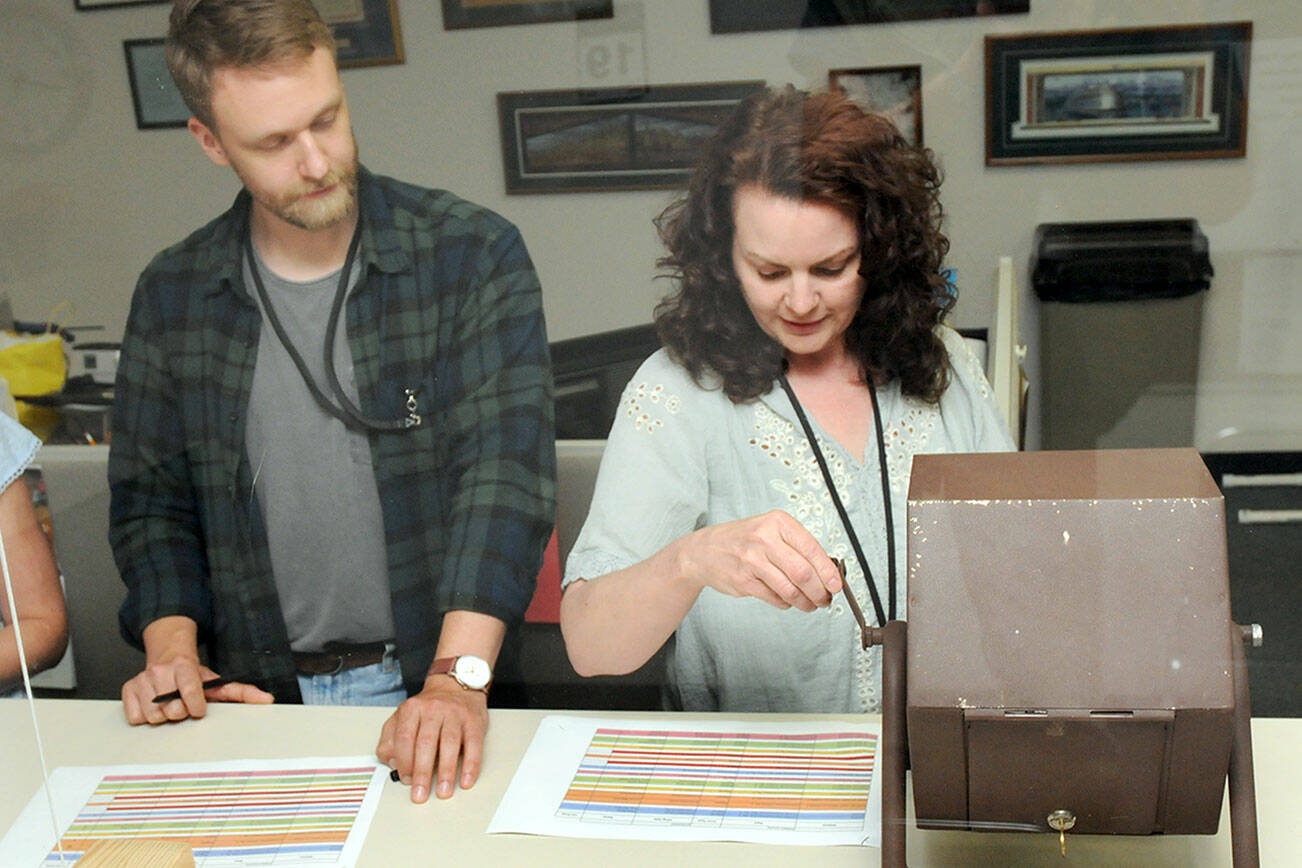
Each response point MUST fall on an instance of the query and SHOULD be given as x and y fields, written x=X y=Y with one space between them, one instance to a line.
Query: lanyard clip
x=413 y=418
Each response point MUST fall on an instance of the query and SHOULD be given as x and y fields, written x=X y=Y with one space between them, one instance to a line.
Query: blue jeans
x=377 y=684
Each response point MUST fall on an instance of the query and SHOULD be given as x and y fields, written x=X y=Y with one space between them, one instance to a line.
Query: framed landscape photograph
x=556 y=141
x=740 y=16
x=1156 y=93
x=154 y=96
x=459 y=14
x=892 y=91
x=366 y=31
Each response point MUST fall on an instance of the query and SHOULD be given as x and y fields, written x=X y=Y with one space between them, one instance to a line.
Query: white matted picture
x=892 y=91
x=1146 y=93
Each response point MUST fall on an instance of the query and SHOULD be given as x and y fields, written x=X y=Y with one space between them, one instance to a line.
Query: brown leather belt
x=338 y=657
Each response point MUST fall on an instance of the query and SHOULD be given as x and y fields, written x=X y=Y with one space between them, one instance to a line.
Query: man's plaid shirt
x=448 y=305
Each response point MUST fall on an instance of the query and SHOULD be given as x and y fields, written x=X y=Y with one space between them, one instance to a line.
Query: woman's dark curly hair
x=819 y=147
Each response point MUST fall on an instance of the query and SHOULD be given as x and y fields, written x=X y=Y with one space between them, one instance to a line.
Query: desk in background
x=86 y=732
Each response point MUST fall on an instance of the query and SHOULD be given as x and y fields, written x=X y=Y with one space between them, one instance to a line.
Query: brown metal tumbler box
x=1068 y=641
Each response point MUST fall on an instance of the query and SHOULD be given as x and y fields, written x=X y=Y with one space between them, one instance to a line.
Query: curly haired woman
x=805 y=363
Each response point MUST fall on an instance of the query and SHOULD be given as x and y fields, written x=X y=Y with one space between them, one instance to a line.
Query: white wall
x=81 y=213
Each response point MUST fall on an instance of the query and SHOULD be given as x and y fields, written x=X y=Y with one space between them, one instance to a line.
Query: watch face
x=474 y=672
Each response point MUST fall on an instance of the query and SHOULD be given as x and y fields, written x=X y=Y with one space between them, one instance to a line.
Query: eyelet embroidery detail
x=906 y=438
x=807 y=500
x=643 y=399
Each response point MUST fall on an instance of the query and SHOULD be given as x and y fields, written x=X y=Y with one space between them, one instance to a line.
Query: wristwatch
x=471 y=672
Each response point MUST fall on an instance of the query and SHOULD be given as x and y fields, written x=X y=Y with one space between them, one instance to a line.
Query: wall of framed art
x=434 y=119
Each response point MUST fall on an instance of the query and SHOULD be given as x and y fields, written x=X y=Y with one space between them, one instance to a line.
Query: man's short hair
x=204 y=36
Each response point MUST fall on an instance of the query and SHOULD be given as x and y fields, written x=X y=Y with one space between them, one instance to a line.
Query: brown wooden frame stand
x=1243 y=787
x=893 y=639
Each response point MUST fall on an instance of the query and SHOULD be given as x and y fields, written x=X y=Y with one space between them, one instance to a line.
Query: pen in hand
x=176 y=694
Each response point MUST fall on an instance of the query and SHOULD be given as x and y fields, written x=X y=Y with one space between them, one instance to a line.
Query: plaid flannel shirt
x=448 y=305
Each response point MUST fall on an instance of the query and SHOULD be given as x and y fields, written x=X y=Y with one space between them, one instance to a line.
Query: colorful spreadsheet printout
x=790 y=783
x=302 y=812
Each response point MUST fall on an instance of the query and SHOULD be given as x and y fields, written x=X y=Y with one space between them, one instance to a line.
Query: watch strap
x=447 y=666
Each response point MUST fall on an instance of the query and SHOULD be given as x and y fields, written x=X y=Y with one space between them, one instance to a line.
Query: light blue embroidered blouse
x=680 y=457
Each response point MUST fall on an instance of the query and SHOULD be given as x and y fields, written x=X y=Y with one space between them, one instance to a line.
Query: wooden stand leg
x=1243 y=799
x=895 y=742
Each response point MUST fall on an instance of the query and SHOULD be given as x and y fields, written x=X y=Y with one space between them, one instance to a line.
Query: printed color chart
x=707 y=779
x=814 y=782
x=278 y=816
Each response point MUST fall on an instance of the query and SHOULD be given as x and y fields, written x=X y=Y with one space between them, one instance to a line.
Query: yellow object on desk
x=33 y=364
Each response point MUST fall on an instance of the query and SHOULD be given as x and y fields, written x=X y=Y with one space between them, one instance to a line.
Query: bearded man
x=332 y=462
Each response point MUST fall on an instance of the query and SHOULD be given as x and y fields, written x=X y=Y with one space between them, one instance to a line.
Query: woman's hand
x=770 y=557
x=613 y=625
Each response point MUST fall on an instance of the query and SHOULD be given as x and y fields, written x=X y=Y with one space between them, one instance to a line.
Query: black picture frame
x=566 y=141
x=892 y=91
x=741 y=16
x=91 y=5
x=367 y=33
x=1149 y=93
x=154 y=96
x=462 y=14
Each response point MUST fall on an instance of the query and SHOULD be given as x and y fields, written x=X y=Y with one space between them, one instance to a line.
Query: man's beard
x=318 y=212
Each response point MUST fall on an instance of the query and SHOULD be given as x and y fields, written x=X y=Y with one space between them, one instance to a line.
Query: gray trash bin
x=1120 y=324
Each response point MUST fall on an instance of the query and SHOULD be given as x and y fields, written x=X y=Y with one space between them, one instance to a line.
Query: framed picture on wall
x=892 y=91
x=1154 y=93
x=740 y=16
x=157 y=102
x=459 y=14
x=108 y=4
x=366 y=31
x=556 y=141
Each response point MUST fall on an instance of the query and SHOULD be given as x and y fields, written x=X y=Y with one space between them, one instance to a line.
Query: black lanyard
x=840 y=508
x=346 y=411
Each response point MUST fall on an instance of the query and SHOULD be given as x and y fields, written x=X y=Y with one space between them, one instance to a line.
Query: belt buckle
x=338 y=654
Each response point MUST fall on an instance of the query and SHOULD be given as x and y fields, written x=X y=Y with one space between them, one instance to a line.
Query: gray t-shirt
x=313 y=477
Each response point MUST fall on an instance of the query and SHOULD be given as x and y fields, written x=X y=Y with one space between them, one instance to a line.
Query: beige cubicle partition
x=76 y=480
